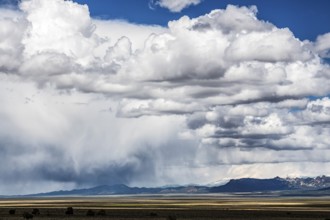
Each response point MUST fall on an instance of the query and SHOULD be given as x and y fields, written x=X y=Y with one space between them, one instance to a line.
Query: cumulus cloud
x=138 y=108
x=274 y=46
x=322 y=45
x=11 y=36
x=87 y=102
x=59 y=27
x=175 y=5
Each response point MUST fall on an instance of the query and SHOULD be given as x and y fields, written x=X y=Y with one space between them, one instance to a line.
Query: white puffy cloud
x=197 y=54
x=118 y=54
x=123 y=103
x=233 y=20
x=273 y=46
x=317 y=111
x=175 y=5
x=11 y=36
x=47 y=63
x=137 y=108
x=322 y=45
x=112 y=30
x=58 y=26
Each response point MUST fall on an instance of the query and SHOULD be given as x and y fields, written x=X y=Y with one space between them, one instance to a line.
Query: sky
x=162 y=92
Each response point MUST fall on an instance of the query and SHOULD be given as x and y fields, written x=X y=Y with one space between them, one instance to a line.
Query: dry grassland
x=170 y=207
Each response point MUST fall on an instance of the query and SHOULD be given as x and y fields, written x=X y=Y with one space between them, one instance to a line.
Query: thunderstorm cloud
x=224 y=95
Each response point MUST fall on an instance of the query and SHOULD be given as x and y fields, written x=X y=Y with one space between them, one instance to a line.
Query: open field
x=178 y=207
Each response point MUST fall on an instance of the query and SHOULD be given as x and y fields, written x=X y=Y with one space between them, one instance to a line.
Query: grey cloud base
x=104 y=102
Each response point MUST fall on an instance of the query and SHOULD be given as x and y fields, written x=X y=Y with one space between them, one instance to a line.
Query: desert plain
x=169 y=207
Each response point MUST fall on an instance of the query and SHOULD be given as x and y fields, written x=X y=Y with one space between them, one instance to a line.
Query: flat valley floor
x=169 y=208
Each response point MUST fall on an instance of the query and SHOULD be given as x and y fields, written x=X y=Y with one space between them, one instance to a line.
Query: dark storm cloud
x=269 y=99
x=201 y=26
x=9 y=2
x=136 y=168
x=247 y=139
x=196 y=120
x=27 y=153
x=52 y=164
x=230 y=122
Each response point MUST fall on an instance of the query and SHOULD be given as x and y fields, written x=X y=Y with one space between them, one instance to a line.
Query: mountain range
x=286 y=186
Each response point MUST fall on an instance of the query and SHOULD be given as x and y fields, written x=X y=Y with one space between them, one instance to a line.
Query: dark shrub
x=27 y=215
x=90 y=213
x=171 y=217
x=35 y=212
x=101 y=213
x=12 y=211
x=153 y=214
x=69 y=211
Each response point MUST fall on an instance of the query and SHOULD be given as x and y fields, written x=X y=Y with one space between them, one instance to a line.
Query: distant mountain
x=102 y=190
x=233 y=186
x=324 y=189
x=121 y=189
x=275 y=184
x=309 y=183
x=253 y=185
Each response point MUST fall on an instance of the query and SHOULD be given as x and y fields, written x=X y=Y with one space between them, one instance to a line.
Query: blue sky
x=306 y=18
